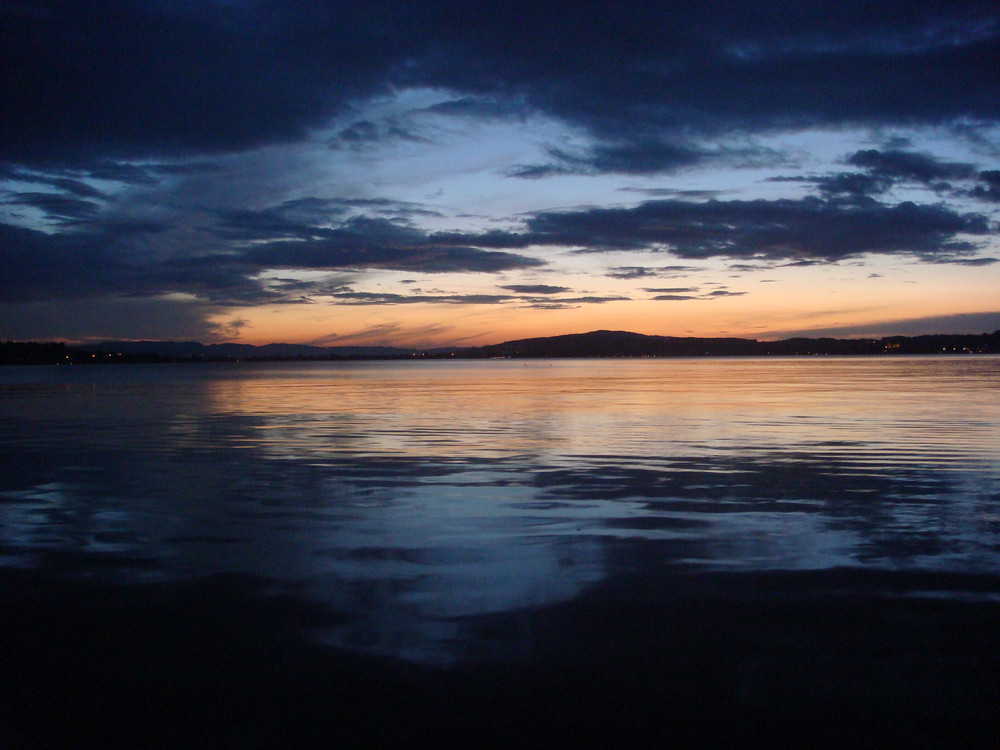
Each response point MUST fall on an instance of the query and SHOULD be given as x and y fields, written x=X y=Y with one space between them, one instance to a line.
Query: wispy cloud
x=984 y=322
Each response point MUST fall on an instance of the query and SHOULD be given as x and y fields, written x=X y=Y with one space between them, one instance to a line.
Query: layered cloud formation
x=218 y=158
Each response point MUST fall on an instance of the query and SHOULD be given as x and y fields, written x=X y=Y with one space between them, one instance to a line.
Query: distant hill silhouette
x=583 y=345
x=626 y=344
x=616 y=344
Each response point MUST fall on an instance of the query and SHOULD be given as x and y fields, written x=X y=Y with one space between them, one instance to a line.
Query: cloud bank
x=199 y=156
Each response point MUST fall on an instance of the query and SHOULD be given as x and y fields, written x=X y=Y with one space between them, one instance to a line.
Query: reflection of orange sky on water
x=509 y=408
x=764 y=305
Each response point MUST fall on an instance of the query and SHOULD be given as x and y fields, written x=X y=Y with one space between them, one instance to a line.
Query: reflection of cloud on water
x=411 y=508
x=402 y=560
x=793 y=509
x=409 y=550
x=409 y=568
x=51 y=517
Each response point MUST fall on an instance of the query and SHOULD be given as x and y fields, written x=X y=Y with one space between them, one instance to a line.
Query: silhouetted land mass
x=582 y=345
x=112 y=352
x=625 y=344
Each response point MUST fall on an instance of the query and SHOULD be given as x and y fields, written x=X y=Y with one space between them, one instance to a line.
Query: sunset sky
x=455 y=173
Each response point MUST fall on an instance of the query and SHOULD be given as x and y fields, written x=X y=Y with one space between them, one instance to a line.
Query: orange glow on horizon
x=771 y=305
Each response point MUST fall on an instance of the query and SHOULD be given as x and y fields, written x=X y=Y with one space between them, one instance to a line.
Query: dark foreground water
x=513 y=552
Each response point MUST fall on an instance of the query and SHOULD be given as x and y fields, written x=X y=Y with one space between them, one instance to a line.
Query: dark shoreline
x=733 y=659
x=596 y=344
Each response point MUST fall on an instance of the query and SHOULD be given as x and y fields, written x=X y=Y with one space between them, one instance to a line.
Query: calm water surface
x=407 y=496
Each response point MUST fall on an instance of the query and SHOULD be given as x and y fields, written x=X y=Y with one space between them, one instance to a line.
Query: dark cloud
x=989 y=191
x=107 y=259
x=625 y=157
x=186 y=168
x=385 y=298
x=40 y=266
x=975 y=262
x=352 y=220
x=381 y=207
x=229 y=329
x=675 y=192
x=277 y=223
x=853 y=183
x=535 y=288
x=479 y=107
x=109 y=318
x=70 y=177
x=129 y=174
x=626 y=72
x=220 y=262
x=907 y=165
x=74 y=187
x=366 y=133
x=57 y=207
x=139 y=77
x=362 y=131
x=884 y=169
x=591 y=300
x=644 y=272
x=537 y=171
x=299 y=235
x=145 y=94
x=805 y=230
x=111 y=258
x=339 y=252
x=804 y=263
x=126 y=78
x=689 y=293
x=642 y=155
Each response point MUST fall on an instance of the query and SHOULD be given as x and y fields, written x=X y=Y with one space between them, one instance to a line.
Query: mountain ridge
x=592 y=344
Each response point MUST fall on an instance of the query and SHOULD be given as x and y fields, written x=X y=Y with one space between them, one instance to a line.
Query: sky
x=461 y=173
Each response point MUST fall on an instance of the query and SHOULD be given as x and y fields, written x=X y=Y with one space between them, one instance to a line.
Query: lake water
x=449 y=513
x=406 y=495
